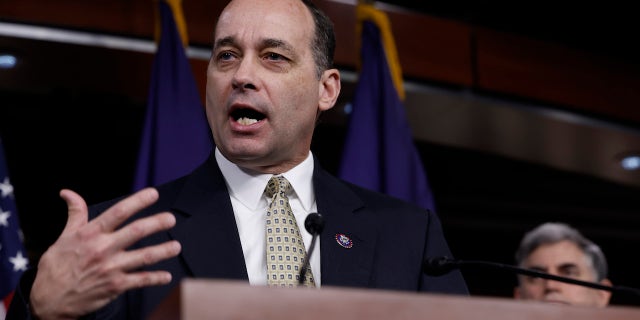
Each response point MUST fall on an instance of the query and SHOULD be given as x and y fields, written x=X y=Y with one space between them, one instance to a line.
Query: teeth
x=246 y=121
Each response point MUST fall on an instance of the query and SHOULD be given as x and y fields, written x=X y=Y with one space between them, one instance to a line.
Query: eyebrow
x=568 y=265
x=563 y=267
x=226 y=41
x=265 y=43
x=276 y=43
x=538 y=269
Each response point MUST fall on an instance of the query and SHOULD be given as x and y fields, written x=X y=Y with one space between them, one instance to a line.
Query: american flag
x=13 y=258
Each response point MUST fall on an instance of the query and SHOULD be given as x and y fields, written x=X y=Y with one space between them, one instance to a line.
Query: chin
x=243 y=149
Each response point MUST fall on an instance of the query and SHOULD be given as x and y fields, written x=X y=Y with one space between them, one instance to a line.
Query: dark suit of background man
x=269 y=78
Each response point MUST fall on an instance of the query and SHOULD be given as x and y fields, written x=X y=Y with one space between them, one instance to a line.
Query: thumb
x=77 y=210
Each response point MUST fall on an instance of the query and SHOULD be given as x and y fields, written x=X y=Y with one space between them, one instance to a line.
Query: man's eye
x=570 y=273
x=274 y=56
x=225 y=56
x=569 y=270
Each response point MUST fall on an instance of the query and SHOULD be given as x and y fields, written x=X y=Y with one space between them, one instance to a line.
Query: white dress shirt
x=246 y=189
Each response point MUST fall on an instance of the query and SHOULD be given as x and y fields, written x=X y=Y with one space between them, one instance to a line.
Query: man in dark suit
x=269 y=78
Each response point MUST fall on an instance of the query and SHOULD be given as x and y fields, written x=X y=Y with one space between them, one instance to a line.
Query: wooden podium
x=220 y=299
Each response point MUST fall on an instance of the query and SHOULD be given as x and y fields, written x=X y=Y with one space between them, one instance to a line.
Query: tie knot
x=277 y=185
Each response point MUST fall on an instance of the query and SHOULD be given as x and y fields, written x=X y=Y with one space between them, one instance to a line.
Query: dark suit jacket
x=390 y=238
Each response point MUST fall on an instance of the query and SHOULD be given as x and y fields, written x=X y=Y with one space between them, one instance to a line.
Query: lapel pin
x=344 y=241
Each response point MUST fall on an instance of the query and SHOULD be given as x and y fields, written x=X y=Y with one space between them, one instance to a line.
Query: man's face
x=263 y=91
x=563 y=259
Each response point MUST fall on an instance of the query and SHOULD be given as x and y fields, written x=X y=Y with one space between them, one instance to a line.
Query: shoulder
x=334 y=192
x=384 y=201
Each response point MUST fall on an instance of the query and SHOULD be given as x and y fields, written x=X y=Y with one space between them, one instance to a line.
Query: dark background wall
x=72 y=118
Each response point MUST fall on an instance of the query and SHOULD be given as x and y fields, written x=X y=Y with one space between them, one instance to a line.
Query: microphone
x=442 y=265
x=314 y=223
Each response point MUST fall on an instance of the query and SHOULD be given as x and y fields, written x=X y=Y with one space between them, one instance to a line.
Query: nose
x=552 y=285
x=245 y=75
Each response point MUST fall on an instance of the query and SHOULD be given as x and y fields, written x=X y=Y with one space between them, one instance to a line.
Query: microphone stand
x=314 y=223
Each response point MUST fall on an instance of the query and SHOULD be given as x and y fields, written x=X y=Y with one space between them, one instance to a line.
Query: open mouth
x=246 y=116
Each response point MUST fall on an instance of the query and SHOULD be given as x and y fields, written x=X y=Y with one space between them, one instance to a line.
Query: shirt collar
x=248 y=186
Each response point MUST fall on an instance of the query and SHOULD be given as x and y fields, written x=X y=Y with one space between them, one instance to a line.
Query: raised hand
x=88 y=265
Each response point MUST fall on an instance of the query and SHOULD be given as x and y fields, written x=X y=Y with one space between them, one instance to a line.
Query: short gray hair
x=552 y=232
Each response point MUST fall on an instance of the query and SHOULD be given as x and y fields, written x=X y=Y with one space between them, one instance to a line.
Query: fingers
x=143 y=279
x=124 y=209
x=141 y=228
x=130 y=260
x=147 y=256
x=77 y=210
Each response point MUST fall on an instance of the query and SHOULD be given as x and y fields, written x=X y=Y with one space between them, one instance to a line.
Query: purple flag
x=13 y=257
x=176 y=136
x=379 y=152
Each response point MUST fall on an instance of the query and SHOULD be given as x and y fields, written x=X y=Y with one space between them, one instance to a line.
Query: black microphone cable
x=443 y=265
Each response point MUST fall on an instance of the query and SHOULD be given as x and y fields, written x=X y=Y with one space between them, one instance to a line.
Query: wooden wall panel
x=554 y=73
x=428 y=48
x=126 y=17
x=201 y=20
x=431 y=49
x=73 y=68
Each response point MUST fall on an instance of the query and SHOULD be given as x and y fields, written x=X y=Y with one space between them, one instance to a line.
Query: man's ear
x=329 y=89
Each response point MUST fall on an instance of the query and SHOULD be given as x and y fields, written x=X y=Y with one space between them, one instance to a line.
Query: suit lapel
x=344 y=216
x=206 y=226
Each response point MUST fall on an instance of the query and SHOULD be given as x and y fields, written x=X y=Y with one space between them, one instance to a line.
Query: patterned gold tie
x=285 y=248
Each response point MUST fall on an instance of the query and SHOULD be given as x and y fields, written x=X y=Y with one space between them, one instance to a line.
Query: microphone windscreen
x=314 y=223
